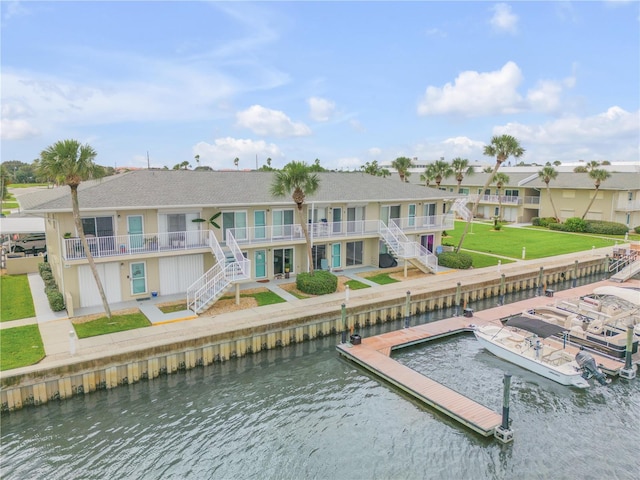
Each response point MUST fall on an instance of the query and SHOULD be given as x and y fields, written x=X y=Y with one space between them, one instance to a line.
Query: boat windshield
x=539 y=327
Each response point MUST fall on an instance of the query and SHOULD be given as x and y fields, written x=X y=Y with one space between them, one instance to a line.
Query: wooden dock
x=373 y=355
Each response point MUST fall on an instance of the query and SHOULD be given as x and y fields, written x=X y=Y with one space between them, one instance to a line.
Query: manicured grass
x=356 y=285
x=509 y=241
x=480 y=260
x=262 y=298
x=117 y=323
x=382 y=279
x=16 y=298
x=26 y=185
x=173 y=308
x=10 y=205
x=20 y=347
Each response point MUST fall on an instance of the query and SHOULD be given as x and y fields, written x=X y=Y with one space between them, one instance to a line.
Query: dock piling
x=407 y=310
x=503 y=432
x=457 y=300
x=629 y=370
x=344 y=323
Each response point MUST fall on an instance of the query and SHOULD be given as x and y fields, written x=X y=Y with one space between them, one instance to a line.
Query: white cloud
x=321 y=109
x=223 y=151
x=17 y=130
x=503 y=19
x=375 y=151
x=474 y=94
x=606 y=135
x=357 y=126
x=264 y=121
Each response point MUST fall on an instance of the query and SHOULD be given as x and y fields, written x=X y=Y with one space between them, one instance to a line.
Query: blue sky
x=344 y=82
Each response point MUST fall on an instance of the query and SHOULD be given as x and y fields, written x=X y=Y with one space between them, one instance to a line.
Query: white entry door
x=109 y=273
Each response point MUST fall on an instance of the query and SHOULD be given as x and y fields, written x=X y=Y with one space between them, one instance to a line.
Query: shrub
x=606 y=228
x=575 y=224
x=637 y=229
x=558 y=226
x=44 y=267
x=543 y=221
x=320 y=283
x=459 y=260
x=56 y=300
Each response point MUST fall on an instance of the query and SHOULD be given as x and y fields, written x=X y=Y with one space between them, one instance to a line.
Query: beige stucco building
x=198 y=233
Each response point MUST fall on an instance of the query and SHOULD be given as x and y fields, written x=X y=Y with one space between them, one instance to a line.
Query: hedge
x=56 y=299
x=320 y=283
x=606 y=228
x=458 y=260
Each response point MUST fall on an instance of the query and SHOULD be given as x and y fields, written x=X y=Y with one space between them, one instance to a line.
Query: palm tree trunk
x=305 y=231
x=552 y=204
x=87 y=250
x=591 y=202
x=475 y=205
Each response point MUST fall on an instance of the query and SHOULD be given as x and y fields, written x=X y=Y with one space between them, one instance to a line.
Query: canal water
x=302 y=412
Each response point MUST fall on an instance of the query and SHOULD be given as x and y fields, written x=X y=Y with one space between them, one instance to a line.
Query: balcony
x=283 y=234
x=137 y=244
x=625 y=205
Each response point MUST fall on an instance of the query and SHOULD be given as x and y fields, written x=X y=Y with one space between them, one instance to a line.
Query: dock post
x=575 y=274
x=503 y=432
x=607 y=266
x=457 y=300
x=629 y=371
x=344 y=323
x=407 y=309
x=502 y=290
x=540 y=276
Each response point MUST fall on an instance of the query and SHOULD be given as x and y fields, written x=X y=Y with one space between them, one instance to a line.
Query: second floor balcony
x=167 y=242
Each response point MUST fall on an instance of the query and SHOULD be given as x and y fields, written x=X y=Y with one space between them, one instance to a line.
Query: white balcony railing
x=628 y=205
x=135 y=244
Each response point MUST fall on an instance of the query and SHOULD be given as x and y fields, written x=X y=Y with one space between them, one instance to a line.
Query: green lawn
x=117 y=323
x=356 y=285
x=262 y=298
x=382 y=279
x=480 y=260
x=509 y=241
x=173 y=308
x=20 y=347
x=16 y=298
x=10 y=205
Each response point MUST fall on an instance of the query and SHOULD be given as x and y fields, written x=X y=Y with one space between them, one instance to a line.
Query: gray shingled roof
x=184 y=188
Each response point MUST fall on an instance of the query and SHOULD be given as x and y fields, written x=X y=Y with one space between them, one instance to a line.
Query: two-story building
x=158 y=232
x=525 y=196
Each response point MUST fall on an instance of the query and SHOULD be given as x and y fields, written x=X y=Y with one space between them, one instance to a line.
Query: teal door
x=138 y=278
x=336 y=258
x=135 y=231
x=260 y=262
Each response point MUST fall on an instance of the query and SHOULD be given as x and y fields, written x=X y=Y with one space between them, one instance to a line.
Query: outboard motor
x=589 y=368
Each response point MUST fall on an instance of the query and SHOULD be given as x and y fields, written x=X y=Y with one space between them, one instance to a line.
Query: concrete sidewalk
x=55 y=328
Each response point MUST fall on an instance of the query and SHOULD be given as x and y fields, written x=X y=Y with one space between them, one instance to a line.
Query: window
x=98 y=226
x=412 y=215
x=511 y=193
x=629 y=197
x=237 y=221
x=260 y=222
x=282 y=221
x=282 y=257
x=355 y=217
x=354 y=253
x=429 y=210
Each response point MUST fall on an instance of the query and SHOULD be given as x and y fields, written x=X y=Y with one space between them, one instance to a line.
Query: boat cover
x=539 y=327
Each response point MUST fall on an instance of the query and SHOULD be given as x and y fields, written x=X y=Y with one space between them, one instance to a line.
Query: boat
x=602 y=334
x=521 y=341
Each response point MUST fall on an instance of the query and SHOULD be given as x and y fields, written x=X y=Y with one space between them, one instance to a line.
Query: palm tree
x=500 y=179
x=441 y=170
x=384 y=173
x=298 y=180
x=402 y=166
x=461 y=168
x=236 y=162
x=546 y=175
x=197 y=157
x=599 y=175
x=429 y=175
x=501 y=147
x=592 y=165
x=70 y=163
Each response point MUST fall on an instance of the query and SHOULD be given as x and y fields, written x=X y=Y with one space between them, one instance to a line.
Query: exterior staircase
x=404 y=248
x=231 y=267
x=627 y=272
x=460 y=207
